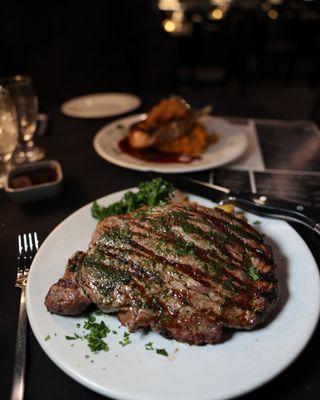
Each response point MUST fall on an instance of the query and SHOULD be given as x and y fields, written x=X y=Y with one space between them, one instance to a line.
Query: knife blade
x=255 y=203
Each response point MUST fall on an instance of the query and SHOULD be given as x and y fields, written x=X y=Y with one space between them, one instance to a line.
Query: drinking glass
x=8 y=132
x=26 y=102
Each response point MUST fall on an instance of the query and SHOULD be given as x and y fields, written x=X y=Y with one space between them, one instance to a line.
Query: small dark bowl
x=35 y=192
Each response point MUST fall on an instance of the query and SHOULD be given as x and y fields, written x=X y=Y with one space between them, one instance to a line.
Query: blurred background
x=245 y=56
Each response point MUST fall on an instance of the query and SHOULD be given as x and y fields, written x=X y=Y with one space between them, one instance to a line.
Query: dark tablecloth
x=87 y=177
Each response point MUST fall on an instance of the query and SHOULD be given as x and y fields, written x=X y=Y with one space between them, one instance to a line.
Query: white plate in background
x=231 y=144
x=212 y=372
x=100 y=105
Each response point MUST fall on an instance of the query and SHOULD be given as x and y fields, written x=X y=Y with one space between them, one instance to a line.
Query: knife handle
x=276 y=208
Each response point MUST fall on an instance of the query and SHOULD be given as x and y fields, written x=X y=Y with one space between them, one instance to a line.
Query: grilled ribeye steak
x=183 y=270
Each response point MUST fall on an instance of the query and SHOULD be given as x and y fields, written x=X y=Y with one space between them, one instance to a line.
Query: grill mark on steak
x=264 y=253
x=166 y=321
x=183 y=270
x=198 y=274
x=134 y=270
x=203 y=256
x=235 y=230
x=237 y=301
x=239 y=277
x=160 y=312
x=183 y=294
x=260 y=257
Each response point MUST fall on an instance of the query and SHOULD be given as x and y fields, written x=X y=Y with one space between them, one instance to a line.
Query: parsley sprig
x=151 y=193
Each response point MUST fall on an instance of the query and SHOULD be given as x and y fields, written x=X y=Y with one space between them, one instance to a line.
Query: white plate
x=245 y=361
x=100 y=105
x=232 y=143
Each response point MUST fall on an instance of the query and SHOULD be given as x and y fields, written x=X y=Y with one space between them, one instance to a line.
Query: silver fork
x=27 y=247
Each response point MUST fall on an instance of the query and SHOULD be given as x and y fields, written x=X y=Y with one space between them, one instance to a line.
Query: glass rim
x=15 y=79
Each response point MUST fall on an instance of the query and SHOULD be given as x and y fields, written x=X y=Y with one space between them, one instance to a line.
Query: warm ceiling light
x=169 y=25
x=219 y=2
x=169 y=5
x=177 y=16
x=276 y=2
x=217 y=14
x=273 y=14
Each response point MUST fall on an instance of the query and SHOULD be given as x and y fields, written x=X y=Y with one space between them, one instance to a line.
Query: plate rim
x=64 y=106
x=148 y=167
x=81 y=379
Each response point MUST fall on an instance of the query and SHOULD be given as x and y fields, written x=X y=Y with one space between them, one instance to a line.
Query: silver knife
x=252 y=202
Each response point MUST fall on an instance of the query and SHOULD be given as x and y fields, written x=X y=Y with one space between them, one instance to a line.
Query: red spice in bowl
x=33 y=177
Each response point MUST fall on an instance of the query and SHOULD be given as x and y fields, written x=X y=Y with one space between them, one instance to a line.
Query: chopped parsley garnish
x=48 y=337
x=151 y=193
x=257 y=222
x=126 y=339
x=76 y=336
x=149 y=346
x=163 y=352
x=91 y=318
x=254 y=273
x=97 y=331
x=114 y=332
x=96 y=344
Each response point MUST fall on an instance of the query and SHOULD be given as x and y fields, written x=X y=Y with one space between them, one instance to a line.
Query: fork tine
x=25 y=243
x=26 y=254
x=20 y=265
x=30 y=242
x=21 y=255
x=33 y=245
x=20 y=244
x=36 y=241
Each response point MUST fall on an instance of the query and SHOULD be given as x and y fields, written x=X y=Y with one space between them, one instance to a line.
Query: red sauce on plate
x=153 y=155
